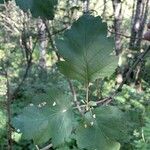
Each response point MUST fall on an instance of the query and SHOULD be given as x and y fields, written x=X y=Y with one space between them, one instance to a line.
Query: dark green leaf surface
x=52 y=120
x=1 y=1
x=103 y=130
x=38 y=8
x=33 y=124
x=62 y=120
x=92 y=138
x=86 y=50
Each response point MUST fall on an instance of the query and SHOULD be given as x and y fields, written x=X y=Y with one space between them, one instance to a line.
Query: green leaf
x=33 y=124
x=113 y=122
x=38 y=8
x=63 y=148
x=86 y=50
x=102 y=129
x=62 y=122
x=1 y=1
x=52 y=118
x=92 y=138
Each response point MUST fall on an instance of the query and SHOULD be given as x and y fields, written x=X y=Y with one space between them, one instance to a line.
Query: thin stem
x=37 y=147
x=9 y=130
x=47 y=147
x=87 y=97
x=74 y=96
x=87 y=94
x=29 y=64
x=51 y=40
x=8 y=109
x=143 y=137
x=99 y=102
x=72 y=90
x=123 y=35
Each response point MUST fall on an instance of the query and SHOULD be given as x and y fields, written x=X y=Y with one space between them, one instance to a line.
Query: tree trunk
x=42 y=42
x=86 y=6
x=9 y=130
x=117 y=7
x=139 y=19
x=73 y=2
x=104 y=9
x=138 y=24
x=143 y=21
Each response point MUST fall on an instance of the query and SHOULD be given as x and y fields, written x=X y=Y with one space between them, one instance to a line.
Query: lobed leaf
x=55 y=119
x=33 y=124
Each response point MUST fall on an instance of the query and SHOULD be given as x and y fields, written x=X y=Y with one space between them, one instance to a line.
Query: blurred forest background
x=28 y=57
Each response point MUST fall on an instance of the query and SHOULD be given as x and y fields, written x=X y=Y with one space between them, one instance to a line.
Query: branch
x=123 y=35
x=9 y=114
x=13 y=26
x=45 y=148
x=133 y=67
x=59 y=31
x=51 y=39
x=29 y=63
x=103 y=4
x=8 y=109
x=87 y=97
x=75 y=96
x=107 y=100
